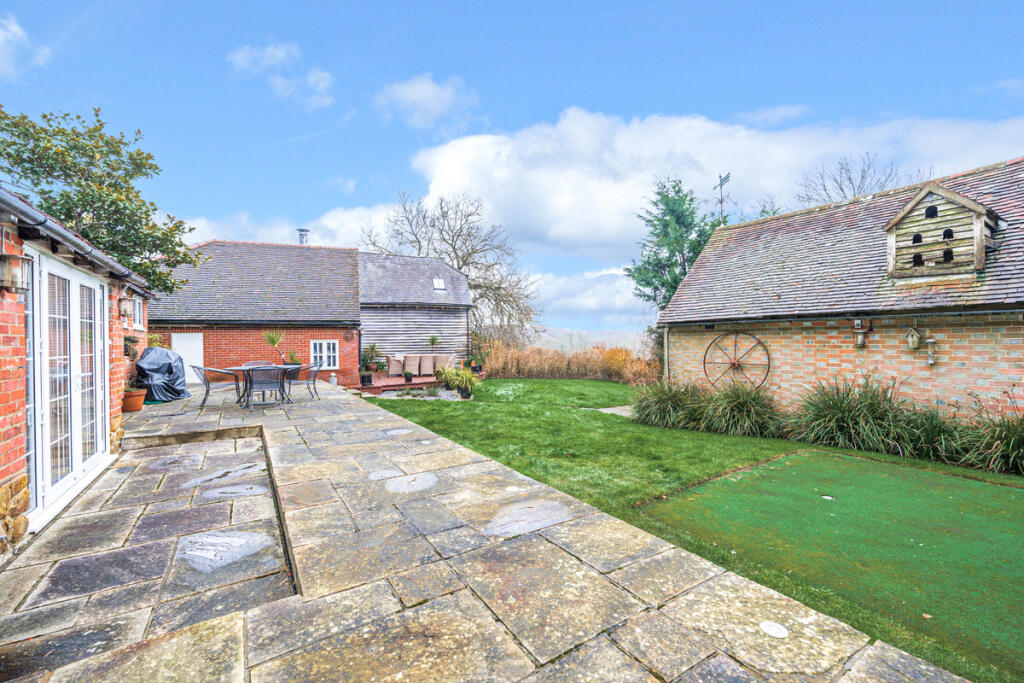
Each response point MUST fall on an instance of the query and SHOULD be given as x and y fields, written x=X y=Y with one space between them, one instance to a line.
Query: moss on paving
x=615 y=465
x=898 y=540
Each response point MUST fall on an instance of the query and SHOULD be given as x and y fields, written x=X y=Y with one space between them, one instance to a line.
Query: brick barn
x=329 y=302
x=66 y=310
x=244 y=288
x=922 y=285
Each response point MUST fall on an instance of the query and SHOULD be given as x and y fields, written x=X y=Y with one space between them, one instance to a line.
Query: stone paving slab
x=882 y=663
x=604 y=542
x=550 y=600
x=209 y=651
x=597 y=660
x=764 y=629
x=452 y=638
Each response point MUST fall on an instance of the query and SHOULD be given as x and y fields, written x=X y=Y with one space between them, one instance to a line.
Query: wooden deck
x=381 y=382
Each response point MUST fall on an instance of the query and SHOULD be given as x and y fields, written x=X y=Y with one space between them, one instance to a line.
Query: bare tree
x=849 y=177
x=454 y=229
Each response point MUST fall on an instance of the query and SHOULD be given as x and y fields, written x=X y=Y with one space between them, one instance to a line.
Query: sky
x=267 y=116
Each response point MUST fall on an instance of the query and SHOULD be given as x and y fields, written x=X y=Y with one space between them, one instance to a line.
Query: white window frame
x=439 y=284
x=138 y=316
x=324 y=354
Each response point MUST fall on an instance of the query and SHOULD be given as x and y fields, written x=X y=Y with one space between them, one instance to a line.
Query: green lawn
x=895 y=539
x=870 y=576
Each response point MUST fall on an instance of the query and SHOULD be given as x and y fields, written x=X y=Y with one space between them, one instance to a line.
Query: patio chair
x=444 y=360
x=264 y=379
x=412 y=364
x=396 y=365
x=294 y=374
x=201 y=373
x=311 y=373
x=254 y=363
x=427 y=364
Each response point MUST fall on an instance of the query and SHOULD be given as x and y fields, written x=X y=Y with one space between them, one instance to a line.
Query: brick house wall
x=118 y=360
x=14 y=494
x=976 y=355
x=231 y=346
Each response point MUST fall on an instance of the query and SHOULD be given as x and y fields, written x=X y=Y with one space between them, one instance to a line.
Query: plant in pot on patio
x=445 y=376
x=463 y=381
x=368 y=364
x=432 y=342
x=274 y=338
x=408 y=377
x=134 y=396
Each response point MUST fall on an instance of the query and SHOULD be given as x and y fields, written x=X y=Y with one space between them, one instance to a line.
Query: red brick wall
x=231 y=346
x=12 y=374
x=119 y=362
x=979 y=354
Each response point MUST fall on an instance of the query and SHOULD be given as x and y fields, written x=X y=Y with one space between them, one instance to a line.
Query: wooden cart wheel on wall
x=737 y=358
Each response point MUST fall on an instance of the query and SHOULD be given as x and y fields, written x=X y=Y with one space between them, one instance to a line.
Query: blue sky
x=266 y=117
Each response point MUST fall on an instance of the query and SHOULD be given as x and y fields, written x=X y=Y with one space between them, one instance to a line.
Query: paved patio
x=414 y=558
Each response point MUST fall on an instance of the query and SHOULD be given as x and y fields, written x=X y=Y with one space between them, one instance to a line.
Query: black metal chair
x=201 y=373
x=293 y=375
x=266 y=378
x=311 y=373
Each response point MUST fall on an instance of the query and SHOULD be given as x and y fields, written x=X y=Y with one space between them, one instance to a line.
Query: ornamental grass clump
x=668 y=405
x=865 y=416
x=996 y=440
x=742 y=410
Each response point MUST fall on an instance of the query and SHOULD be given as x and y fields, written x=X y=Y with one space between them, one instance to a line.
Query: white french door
x=70 y=361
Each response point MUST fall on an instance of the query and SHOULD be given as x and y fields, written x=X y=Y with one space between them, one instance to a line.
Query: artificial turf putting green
x=899 y=540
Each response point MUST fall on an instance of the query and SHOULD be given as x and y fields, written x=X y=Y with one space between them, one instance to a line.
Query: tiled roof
x=385 y=279
x=252 y=282
x=831 y=260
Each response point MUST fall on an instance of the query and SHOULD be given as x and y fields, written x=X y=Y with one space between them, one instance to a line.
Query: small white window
x=439 y=283
x=325 y=352
x=137 y=317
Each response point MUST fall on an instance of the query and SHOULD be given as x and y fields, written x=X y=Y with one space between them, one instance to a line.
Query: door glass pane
x=59 y=366
x=30 y=387
x=87 y=356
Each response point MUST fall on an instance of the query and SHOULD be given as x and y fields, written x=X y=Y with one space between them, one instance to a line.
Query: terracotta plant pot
x=133 y=400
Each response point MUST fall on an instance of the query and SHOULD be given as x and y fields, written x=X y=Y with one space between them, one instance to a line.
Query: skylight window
x=439 y=283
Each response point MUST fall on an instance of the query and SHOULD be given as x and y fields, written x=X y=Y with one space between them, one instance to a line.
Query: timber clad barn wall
x=231 y=346
x=974 y=354
x=406 y=330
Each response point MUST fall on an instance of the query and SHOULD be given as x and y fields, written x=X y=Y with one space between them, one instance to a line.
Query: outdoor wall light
x=930 y=343
x=860 y=332
x=124 y=306
x=15 y=273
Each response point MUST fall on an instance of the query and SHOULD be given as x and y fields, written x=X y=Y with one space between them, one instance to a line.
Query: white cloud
x=251 y=59
x=423 y=102
x=337 y=228
x=773 y=116
x=17 y=52
x=278 y=62
x=605 y=295
x=1010 y=86
x=576 y=185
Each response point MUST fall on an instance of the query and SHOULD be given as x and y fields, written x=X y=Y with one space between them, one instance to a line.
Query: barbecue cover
x=162 y=372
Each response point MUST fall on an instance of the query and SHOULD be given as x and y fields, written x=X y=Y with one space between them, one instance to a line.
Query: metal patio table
x=246 y=399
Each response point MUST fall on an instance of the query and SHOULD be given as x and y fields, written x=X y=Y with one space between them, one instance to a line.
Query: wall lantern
x=124 y=306
x=15 y=269
x=860 y=332
x=913 y=338
x=15 y=272
x=930 y=343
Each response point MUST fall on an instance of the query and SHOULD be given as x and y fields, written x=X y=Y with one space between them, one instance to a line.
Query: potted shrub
x=274 y=337
x=432 y=342
x=408 y=377
x=134 y=396
x=368 y=364
x=464 y=381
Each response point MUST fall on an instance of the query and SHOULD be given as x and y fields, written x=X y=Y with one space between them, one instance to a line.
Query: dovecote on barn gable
x=938 y=233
